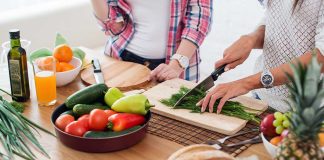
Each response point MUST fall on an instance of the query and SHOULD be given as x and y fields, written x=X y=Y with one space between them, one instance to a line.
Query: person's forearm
x=278 y=73
x=186 y=48
x=100 y=8
x=256 y=37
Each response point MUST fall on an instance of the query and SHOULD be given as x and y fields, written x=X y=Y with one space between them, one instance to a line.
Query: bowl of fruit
x=67 y=66
x=68 y=60
x=274 y=129
x=97 y=119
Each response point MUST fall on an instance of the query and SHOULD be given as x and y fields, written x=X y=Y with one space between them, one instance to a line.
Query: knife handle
x=96 y=65
x=254 y=140
x=218 y=71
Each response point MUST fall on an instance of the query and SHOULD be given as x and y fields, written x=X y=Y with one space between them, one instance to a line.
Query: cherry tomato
x=63 y=120
x=85 y=120
x=110 y=112
x=76 y=128
x=98 y=120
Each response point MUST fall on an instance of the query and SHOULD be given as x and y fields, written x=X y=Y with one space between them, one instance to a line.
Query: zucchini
x=87 y=95
x=70 y=112
x=81 y=109
x=108 y=134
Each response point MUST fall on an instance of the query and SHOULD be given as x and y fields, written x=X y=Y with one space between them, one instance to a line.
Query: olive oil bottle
x=18 y=73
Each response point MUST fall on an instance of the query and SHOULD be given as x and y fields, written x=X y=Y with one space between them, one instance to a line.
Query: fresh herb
x=16 y=131
x=19 y=107
x=230 y=108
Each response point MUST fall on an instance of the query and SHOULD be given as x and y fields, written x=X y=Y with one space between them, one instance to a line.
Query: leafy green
x=43 y=52
x=19 y=107
x=79 y=53
x=60 y=40
x=230 y=108
x=16 y=132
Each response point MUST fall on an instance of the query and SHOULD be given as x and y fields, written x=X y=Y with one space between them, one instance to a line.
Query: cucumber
x=81 y=109
x=98 y=103
x=107 y=134
x=70 y=112
x=87 y=95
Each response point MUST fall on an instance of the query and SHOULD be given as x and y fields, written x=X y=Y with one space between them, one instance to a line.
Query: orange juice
x=45 y=83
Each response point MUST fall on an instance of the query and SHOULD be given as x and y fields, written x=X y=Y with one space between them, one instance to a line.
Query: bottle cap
x=14 y=33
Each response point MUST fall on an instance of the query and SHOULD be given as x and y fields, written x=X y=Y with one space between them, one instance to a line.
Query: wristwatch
x=267 y=79
x=183 y=60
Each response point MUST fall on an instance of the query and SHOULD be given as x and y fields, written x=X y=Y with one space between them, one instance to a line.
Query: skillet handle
x=218 y=71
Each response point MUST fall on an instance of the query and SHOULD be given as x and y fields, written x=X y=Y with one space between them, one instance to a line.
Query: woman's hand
x=166 y=71
x=225 y=92
x=237 y=53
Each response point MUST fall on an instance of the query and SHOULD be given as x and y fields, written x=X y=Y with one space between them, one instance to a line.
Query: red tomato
x=85 y=120
x=63 y=120
x=98 y=120
x=76 y=128
x=110 y=112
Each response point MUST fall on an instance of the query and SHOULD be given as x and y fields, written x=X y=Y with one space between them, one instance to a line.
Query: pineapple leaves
x=308 y=116
x=306 y=99
x=296 y=78
x=311 y=81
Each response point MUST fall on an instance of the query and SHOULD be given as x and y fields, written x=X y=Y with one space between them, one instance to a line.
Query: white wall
x=231 y=19
x=39 y=23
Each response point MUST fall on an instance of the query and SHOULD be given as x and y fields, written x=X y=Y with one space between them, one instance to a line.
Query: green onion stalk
x=16 y=131
x=230 y=108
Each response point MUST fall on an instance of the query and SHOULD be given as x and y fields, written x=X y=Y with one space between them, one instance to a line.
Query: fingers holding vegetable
x=223 y=93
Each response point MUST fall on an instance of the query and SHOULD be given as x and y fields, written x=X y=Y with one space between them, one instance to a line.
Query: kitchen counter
x=151 y=147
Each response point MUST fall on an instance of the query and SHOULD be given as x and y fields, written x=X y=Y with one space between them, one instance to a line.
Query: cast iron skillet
x=99 y=145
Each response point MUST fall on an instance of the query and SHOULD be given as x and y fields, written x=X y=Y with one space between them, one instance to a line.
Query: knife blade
x=97 y=71
x=204 y=85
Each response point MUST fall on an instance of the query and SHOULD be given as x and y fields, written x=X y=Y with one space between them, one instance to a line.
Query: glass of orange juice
x=45 y=80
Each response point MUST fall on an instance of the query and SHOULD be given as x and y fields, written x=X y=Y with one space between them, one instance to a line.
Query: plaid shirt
x=189 y=19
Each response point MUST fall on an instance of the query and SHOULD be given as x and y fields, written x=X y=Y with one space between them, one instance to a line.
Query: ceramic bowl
x=64 y=78
x=270 y=147
x=99 y=145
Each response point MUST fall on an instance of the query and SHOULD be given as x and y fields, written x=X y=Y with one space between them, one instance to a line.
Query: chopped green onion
x=230 y=108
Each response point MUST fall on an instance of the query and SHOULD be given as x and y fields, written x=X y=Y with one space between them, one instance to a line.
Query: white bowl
x=64 y=78
x=269 y=147
x=272 y=148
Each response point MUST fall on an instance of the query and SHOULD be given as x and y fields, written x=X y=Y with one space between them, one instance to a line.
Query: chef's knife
x=97 y=71
x=204 y=85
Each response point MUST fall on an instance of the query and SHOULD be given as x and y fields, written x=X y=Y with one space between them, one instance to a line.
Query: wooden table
x=151 y=147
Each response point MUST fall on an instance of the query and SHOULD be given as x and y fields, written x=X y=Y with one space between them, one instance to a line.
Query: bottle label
x=15 y=77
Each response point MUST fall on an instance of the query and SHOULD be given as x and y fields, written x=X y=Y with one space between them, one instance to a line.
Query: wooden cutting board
x=219 y=123
x=120 y=74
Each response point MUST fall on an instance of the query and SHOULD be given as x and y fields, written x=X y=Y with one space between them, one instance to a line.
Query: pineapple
x=307 y=113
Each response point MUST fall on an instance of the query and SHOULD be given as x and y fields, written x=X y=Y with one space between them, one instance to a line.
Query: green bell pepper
x=137 y=104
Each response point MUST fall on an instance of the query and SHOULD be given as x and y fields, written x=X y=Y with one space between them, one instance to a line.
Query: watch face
x=267 y=79
x=184 y=62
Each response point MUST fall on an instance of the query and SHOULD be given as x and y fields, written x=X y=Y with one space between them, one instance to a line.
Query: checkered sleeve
x=197 y=20
x=319 y=38
x=114 y=16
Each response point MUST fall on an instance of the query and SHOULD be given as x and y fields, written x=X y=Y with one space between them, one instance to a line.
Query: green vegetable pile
x=230 y=108
x=16 y=132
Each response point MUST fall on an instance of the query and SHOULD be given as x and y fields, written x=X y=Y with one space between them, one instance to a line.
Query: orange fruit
x=63 y=53
x=321 y=139
x=65 y=66
x=276 y=140
x=58 y=67
x=46 y=63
